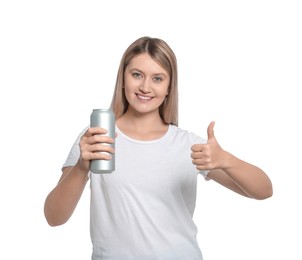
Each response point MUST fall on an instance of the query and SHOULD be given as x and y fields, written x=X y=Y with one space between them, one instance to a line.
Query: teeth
x=145 y=98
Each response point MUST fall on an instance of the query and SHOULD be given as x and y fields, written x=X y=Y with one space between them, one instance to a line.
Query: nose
x=145 y=87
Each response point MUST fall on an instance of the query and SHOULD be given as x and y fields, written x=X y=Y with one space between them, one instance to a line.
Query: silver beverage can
x=103 y=118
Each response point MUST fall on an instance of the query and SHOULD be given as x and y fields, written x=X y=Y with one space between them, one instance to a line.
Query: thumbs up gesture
x=210 y=155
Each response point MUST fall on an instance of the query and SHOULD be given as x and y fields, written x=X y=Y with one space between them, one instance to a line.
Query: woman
x=144 y=209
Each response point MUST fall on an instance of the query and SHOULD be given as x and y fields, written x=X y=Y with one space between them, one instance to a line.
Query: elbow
x=270 y=192
x=263 y=196
x=51 y=221
x=265 y=193
x=53 y=218
x=54 y=222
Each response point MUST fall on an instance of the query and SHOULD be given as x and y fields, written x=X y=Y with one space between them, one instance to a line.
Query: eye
x=136 y=75
x=157 y=79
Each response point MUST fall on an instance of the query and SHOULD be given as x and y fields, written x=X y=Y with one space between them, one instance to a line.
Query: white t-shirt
x=144 y=209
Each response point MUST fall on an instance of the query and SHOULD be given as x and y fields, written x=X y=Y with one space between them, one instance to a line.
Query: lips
x=145 y=98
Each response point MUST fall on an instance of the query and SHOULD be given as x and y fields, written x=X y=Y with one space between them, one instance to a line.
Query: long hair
x=160 y=51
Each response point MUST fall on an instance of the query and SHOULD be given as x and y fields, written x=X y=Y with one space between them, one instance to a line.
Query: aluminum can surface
x=103 y=118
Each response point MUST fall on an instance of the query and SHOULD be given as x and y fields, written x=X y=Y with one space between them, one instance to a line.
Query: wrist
x=82 y=168
x=229 y=161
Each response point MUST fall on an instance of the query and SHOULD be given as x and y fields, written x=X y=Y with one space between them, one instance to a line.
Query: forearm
x=62 y=200
x=249 y=178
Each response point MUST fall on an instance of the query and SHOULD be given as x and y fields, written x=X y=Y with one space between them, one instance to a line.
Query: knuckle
x=89 y=131
x=85 y=156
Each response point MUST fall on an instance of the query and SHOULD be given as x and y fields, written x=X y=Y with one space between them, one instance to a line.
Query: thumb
x=211 y=131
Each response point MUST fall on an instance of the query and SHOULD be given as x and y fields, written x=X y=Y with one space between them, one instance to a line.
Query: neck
x=142 y=126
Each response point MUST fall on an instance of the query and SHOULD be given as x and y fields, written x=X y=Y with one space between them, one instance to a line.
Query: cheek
x=165 y=92
x=127 y=93
x=130 y=84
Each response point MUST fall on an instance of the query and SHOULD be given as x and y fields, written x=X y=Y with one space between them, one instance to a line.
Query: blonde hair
x=160 y=51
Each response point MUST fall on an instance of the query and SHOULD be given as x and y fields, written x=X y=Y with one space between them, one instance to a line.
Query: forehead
x=145 y=63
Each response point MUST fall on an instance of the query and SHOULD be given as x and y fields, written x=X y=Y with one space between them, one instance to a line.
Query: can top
x=102 y=109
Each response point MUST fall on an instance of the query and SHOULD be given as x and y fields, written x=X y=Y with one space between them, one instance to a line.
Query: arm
x=229 y=171
x=62 y=200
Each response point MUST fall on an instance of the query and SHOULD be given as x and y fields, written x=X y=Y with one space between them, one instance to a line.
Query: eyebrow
x=154 y=74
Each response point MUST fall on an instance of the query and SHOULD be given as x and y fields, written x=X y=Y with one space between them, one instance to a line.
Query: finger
x=196 y=155
x=100 y=139
x=202 y=167
x=96 y=156
x=101 y=156
x=210 y=131
x=101 y=148
x=198 y=161
x=95 y=131
x=197 y=147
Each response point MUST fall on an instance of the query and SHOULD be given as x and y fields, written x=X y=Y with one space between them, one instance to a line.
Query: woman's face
x=146 y=84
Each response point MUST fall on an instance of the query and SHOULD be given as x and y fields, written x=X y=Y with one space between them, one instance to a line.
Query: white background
x=240 y=64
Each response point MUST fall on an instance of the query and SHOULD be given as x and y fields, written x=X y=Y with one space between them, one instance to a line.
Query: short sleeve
x=205 y=174
x=74 y=153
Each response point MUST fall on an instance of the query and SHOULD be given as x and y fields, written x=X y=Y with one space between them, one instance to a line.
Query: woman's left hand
x=210 y=155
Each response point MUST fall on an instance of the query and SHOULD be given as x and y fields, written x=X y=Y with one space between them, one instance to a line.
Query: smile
x=144 y=97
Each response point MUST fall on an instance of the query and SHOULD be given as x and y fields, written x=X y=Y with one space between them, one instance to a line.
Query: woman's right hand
x=92 y=143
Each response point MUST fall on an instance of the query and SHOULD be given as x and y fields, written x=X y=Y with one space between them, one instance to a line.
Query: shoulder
x=186 y=135
x=74 y=153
